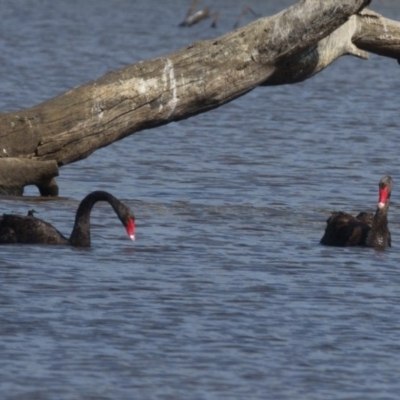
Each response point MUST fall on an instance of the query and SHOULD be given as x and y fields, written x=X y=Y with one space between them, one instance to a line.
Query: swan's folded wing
x=343 y=229
x=28 y=230
x=365 y=217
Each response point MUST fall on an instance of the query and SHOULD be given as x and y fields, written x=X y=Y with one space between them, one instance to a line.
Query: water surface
x=226 y=293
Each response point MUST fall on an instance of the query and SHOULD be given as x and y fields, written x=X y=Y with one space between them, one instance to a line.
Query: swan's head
x=130 y=228
x=127 y=218
x=385 y=188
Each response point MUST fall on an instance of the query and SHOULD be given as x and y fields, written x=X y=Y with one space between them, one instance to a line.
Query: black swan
x=366 y=229
x=30 y=230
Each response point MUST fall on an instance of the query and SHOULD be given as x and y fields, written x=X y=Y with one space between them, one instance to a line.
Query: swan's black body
x=366 y=229
x=31 y=230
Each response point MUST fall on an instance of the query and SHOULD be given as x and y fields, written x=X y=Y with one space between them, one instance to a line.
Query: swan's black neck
x=379 y=235
x=80 y=235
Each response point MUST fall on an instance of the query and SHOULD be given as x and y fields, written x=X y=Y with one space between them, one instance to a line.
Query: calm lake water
x=226 y=294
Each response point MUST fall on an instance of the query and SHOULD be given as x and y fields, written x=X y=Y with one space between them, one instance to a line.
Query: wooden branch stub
x=378 y=34
x=16 y=173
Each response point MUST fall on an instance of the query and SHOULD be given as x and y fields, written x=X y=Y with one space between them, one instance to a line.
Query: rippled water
x=226 y=293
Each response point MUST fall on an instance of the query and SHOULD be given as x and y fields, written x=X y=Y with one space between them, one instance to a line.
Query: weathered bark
x=286 y=48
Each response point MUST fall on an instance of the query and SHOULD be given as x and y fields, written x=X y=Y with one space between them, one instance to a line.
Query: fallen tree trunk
x=286 y=48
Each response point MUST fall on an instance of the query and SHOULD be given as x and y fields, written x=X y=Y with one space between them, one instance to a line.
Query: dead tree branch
x=285 y=48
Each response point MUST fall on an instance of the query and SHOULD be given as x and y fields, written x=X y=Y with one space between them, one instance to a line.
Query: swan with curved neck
x=366 y=229
x=30 y=230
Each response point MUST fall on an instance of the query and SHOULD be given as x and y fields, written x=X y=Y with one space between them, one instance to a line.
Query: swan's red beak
x=383 y=196
x=130 y=229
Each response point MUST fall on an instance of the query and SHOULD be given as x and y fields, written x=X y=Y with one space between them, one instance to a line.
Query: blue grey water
x=226 y=294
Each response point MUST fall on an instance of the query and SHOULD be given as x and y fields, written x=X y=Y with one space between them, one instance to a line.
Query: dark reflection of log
x=245 y=10
x=192 y=17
